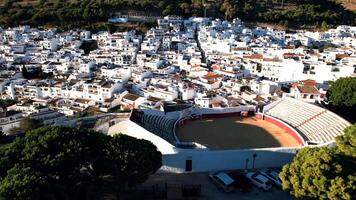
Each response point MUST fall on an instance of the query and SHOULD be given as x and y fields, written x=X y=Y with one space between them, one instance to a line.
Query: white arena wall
x=208 y=160
x=198 y=111
x=134 y=130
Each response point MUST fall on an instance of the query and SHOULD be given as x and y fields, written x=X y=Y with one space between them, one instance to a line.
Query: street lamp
x=253 y=161
x=246 y=164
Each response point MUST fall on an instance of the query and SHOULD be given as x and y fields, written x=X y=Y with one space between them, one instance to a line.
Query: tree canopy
x=88 y=45
x=4 y=103
x=26 y=124
x=322 y=172
x=67 y=163
x=347 y=143
x=86 y=13
x=343 y=92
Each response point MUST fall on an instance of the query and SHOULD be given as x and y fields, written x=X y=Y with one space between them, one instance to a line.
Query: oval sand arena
x=235 y=133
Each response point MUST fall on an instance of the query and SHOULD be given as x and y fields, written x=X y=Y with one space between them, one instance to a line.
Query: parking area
x=174 y=182
x=209 y=191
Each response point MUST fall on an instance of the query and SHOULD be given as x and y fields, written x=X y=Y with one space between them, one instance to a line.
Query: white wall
x=6 y=127
x=132 y=129
x=206 y=160
x=198 y=111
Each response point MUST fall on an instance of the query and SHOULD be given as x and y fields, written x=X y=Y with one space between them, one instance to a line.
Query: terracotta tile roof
x=272 y=60
x=216 y=104
x=340 y=56
x=258 y=98
x=233 y=99
x=308 y=89
x=212 y=75
x=309 y=82
x=153 y=99
x=83 y=101
x=215 y=67
x=292 y=55
x=131 y=97
x=254 y=56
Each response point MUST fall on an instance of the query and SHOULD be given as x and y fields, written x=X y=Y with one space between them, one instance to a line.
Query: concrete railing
x=222 y=110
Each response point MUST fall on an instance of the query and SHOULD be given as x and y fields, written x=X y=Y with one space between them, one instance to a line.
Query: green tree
x=211 y=93
x=324 y=25
x=297 y=43
x=26 y=124
x=322 y=172
x=304 y=177
x=347 y=143
x=2 y=134
x=8 y=4
x=229 y=9
x=167 y=10
x=342 y=92
x=67 y=163
x=248 y=8
x=185 y=7
x=4 y=103
x=21 y=182
x=134 y=160
x=285 y=24
x=25 y=73
x=109 y=27
x=90 y=45
x=86 y=14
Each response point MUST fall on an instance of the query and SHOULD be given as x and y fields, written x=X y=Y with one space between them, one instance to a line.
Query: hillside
x=349 y=4
x=90 y=13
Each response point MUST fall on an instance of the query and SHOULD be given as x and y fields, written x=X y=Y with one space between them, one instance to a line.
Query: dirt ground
x=235 y=133
x=349 y=4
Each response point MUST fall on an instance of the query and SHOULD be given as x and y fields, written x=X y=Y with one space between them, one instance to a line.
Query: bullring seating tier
x=315 y=123
x=159 y=125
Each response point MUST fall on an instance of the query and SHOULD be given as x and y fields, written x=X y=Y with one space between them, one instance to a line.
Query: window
x=258 y=180
x=220 y=181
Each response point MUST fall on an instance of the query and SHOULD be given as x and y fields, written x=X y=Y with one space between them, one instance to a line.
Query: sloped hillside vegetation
x=79 y=13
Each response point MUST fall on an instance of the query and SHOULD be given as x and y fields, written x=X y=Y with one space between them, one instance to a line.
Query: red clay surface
x=235 y=133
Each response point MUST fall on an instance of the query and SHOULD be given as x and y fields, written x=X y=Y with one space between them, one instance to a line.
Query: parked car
x=222 y=180
x=240 y=181
x=272 y=175
x=259 y=180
